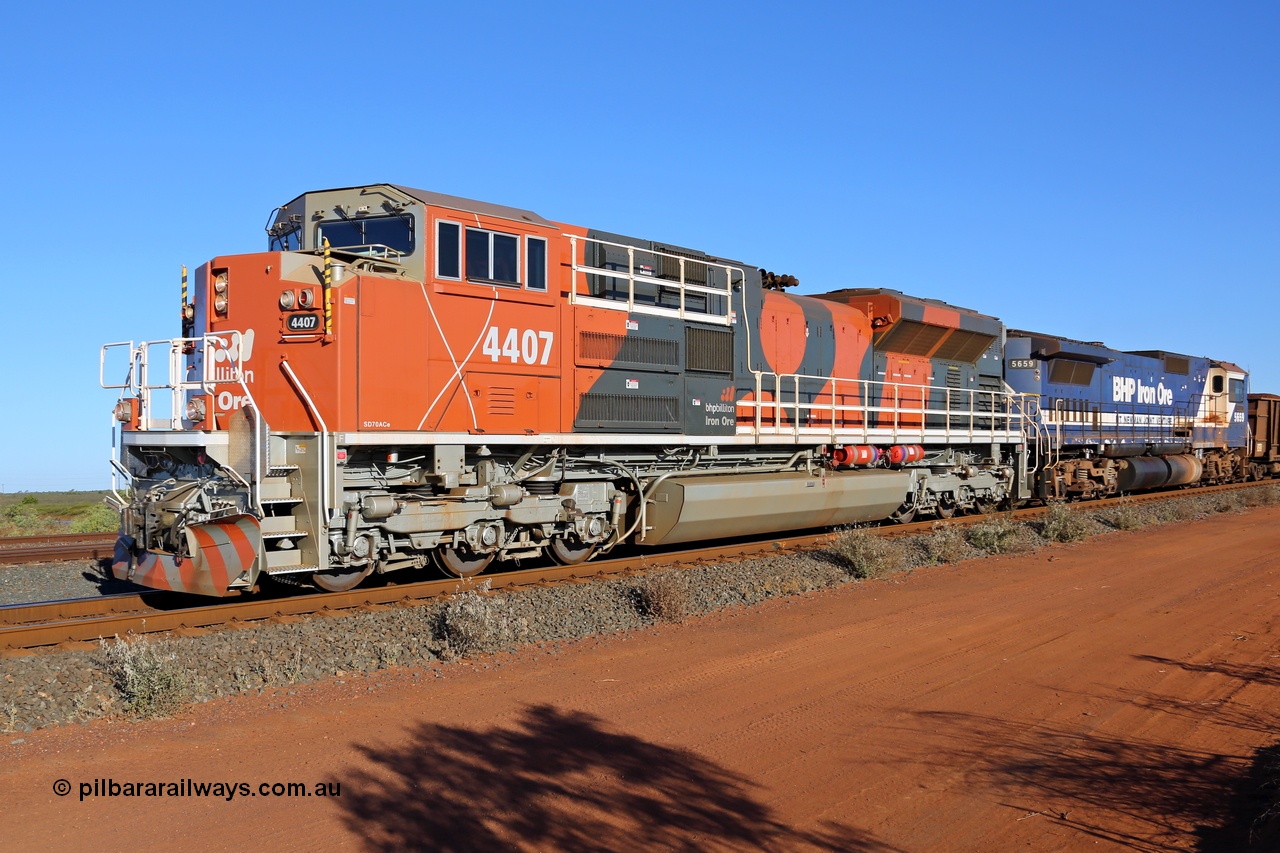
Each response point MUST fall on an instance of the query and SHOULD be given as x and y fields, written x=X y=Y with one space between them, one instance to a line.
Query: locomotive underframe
x=399 y=506
x=1082 y=473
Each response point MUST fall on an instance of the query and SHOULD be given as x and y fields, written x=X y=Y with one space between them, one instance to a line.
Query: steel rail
x=56 y=546
x=78 y=621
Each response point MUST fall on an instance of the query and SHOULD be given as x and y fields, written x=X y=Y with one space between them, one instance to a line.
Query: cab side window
x=448 y=235
x=493 y=256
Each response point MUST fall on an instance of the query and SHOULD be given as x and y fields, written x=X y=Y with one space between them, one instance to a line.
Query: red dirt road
x=1103 y=696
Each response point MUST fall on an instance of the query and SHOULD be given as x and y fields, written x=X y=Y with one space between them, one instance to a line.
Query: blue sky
x=1106 y=171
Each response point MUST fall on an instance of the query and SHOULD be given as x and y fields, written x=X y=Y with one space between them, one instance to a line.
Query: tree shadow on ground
x=1250 y=673
x=1222 y=709
x=1252 y=819
x=561 y=780
x=1144 y=794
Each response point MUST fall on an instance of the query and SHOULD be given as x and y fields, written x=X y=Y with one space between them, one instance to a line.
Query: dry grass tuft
x=663 y=596
x=151 y=684
x=472 y=622
x=1001 y=535
x=1064 y=524
x=865 y=556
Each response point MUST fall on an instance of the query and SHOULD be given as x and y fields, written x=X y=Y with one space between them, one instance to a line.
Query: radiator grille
x=709 y=350
x=629 y=349
x=669 y=268
x=964 y=346
x=910 y=338
x=627 y=411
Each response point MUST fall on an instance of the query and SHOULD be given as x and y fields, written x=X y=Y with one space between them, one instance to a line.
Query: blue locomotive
x=1112 y=421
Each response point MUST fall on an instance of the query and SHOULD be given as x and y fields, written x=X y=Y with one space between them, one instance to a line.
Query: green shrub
x=100 y=518
x=24 y=516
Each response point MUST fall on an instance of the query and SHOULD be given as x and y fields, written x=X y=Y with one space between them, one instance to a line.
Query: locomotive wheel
x=946 y=509
x=568 y=552
x=342 y=581
x=461 y=564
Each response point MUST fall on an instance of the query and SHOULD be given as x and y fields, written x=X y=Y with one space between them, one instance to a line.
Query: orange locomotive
x=406 y=377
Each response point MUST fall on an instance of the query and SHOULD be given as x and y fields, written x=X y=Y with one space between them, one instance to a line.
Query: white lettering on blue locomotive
x=1125 y=388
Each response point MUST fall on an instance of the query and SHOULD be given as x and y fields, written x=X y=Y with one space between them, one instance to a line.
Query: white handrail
x=177 y=384
x=1007 y=414
x=631 y=277
x=102 y=366
x=323 y=484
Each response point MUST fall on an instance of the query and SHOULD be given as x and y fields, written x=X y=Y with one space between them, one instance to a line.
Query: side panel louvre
x=607 y=350
x=627 y=413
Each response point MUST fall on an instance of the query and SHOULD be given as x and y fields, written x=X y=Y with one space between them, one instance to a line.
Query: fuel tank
x=1184 y=469
x=1141 y=472
x=1152 y=472
x=688 y=509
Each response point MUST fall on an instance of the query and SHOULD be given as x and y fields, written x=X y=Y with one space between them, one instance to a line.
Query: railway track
x=66 y=546
x=76 y=622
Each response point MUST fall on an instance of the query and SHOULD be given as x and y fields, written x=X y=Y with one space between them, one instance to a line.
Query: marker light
x=195 y=409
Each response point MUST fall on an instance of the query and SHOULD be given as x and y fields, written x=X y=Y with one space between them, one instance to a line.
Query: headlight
x=195 y=409
x=220 y=283
x=220 y=304
x=123 y=412
x=288 y=300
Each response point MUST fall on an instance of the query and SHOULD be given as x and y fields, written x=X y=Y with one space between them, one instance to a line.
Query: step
x=279 y=524
x=283 y=534
x=288 y=570
x=275 y=488
x=283 y=559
